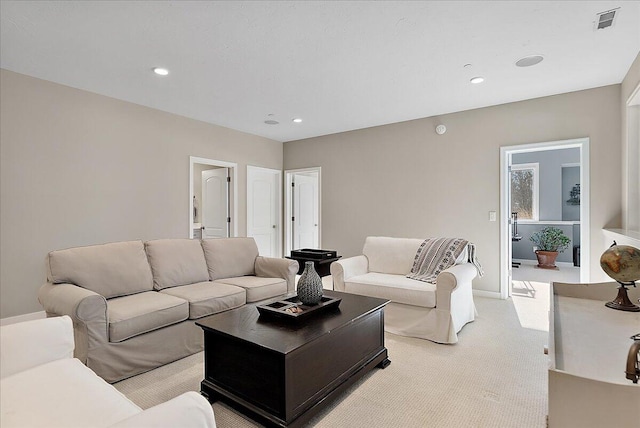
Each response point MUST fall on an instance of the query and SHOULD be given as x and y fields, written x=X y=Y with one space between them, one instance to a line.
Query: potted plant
x=550 y=241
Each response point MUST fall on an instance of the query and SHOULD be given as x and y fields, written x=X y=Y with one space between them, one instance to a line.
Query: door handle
x=274 y=226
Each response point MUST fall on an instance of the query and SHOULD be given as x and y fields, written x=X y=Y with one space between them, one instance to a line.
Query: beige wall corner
x=630 y=162
x=79 y=168
x=631 y=80
x=405 y=180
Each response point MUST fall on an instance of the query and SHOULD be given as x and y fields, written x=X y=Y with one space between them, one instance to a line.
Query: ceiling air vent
x=606 y=19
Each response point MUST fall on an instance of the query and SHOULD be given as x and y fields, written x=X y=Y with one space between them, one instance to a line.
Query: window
x=524 y=191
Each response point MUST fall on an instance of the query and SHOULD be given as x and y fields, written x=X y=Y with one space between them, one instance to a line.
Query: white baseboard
x=566 y=264
x=22 y=318
x=485 y=293
x=526 y=261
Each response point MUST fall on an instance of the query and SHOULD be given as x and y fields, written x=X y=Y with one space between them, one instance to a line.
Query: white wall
x=631 y=149
x=79 y=169
x=405 y=180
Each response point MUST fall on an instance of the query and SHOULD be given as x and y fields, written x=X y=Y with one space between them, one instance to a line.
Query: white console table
x=588 y=348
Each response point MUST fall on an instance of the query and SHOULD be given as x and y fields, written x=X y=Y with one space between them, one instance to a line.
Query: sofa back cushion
x=176 y=262
x=391 y=255
x=111 y=270
x=230 y=257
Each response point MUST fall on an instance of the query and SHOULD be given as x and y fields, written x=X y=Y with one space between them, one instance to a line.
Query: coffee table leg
x=384 y=363
x=209 y=394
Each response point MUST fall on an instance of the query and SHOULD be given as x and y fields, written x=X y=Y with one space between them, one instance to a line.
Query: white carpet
x=496 y=376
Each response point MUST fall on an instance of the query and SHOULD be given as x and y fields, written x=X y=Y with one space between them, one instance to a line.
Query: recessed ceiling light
x=530 y=60
x=297 y=120
x=271 y=122
x=477 y=79
x=161 y=71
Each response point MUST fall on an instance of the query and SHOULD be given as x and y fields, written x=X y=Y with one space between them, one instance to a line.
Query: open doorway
x=303 y=210
x=212 y=198
x=541 y=165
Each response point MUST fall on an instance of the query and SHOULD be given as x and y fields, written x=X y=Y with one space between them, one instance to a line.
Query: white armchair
x=44 y=386
x=435 y=312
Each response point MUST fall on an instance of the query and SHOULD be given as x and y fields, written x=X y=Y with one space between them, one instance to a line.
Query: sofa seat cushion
x=396 y=288
x=140 y=313
x=176 y=262
x=62 y=393
x=258 y=288
x=208 y=298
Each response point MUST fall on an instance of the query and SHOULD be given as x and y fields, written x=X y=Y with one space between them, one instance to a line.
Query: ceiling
x=337 y=65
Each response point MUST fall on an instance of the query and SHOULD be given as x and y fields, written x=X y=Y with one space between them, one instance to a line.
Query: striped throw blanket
x=437 y=254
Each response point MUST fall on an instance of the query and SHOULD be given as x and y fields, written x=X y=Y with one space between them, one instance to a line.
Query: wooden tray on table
x=293 y=309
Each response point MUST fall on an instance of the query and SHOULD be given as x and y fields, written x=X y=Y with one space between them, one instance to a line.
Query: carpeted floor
x=496 y=376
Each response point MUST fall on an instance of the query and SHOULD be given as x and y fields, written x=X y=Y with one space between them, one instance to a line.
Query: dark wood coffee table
x=282 y=372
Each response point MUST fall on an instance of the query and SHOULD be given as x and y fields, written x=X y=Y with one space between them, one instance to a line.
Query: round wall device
x=441 y=129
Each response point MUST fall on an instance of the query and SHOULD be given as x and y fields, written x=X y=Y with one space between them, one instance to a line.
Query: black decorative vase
x=310 y=285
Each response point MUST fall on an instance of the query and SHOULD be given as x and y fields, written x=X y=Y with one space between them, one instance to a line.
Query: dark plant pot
x=546 y=259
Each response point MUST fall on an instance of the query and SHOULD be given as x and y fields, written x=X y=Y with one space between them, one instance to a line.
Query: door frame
x=288 y=205
x=233 y=204
x=505 y=209
x=278 y=174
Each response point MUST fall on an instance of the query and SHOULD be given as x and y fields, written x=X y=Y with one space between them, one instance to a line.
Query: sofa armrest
x=67 y=299
x=457 y=279
x=271 y=267
x=87 y=309
x=32 y=343
x=189 y=410
x=344 y=269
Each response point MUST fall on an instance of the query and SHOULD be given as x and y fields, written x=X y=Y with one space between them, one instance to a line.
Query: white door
x=263 y=209
x=510 y=228
x=215 y=203
x=305 y=211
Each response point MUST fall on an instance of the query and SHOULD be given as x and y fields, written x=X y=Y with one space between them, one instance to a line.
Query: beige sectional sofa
x=49 y=388
x=436 y=312
x=134 y=304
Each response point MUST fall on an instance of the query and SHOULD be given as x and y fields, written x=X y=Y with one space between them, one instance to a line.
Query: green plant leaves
x=550 y=239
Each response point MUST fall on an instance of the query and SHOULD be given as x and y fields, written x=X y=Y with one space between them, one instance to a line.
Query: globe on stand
x=622 y=263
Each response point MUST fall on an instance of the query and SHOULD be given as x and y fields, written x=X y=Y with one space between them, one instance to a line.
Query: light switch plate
x=492 y=216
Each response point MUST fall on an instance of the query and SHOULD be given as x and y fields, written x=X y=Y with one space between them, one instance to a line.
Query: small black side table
x=321 y=265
